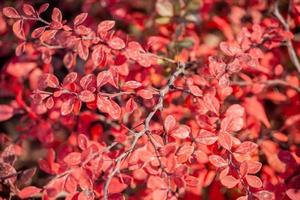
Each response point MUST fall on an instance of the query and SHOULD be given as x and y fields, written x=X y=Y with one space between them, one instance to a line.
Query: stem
x=268 y=83
x=289 y=44
x=36 y=19
x=163 y=92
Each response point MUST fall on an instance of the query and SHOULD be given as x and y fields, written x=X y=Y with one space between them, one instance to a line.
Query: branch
x=268 y=83
x=289 y=44
x=163 y=92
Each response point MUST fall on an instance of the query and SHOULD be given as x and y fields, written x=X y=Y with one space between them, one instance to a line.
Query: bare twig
x=267 y=83
x=163 y=92
x=289 y=44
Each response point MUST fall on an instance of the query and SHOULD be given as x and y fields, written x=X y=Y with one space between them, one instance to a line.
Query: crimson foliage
x=166 y=99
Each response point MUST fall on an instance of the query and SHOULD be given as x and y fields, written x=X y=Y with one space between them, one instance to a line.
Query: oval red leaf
x=87 y=96
x=254 y=181
x=206 y=137
x=6 y=112
x=116 y=43
x=217 y=161
x=10 y=12
x=29 y=191
x=79 y=19
x=229 y=181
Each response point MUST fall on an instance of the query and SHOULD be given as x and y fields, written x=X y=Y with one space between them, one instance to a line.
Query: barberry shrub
x=165 y=99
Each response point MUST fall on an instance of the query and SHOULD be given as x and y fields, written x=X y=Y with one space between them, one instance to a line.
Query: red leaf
x=43 y=8
x=69 y=60
x=6 y=170
x=206 y=137
x=201 y=156
x=49 y=103
x=265 y=195
x=71 y=184
x=246 y=147
x=82 y=141
x=10 y=12
x=134 y=50
x=116 y=43
x=86 y=96
x=170 y=123
x=243 y=168
x=160 y=194
x=29 y=10
x=195 y=90
x=98 y=55
x=253 y=166
x=20 y=48
x=56 y=15
x=184 y=153
x=155 y=182
x=292 y=120
x=73 y=158
x=48 y=35
x=27 y=175
x=242 y=198
x=145 y=94
x=164 y=8
x=83 y=50
x=216 y=67
x=28 y=192
x=18 y=29
x=234 y=67
x=105 y=26
x=181 y=132
x=235 y=110
x=287 y=157
x=20 y=69
x=107 y=105
x=225 y=140
x=230 y=49
x=67 y=107
x=229 y=181
x=132 y=84
x=103 y=78
x=6 y=112
x=256 y=109
x=38 y=32
x=224 y=81
x=280 y=137
x=254 y=181
x=114 y=110
x=145 y=60
x=224 y=172
x=48 y=80
x=191 y=181
x=211 y=103
x=88 y=81
x=232 y=124
x=130 y=105
x=83 y=30
x=217 y=161
x=70 y=78
x=79 y=19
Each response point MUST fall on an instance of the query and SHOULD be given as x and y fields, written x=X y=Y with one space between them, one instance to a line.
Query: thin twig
x=163 y=92
x=267 y=83
x=289 y=44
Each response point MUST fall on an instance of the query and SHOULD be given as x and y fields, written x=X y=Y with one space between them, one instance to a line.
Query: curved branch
x=289 y=44
x=163 y=92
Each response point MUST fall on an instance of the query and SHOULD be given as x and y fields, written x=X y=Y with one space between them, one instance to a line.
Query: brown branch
x=268 y=83
x=289 y=44
x=162 y=93
x=236 y=168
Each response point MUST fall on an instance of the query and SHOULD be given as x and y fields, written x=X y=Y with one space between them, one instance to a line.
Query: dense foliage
x=165 y=99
